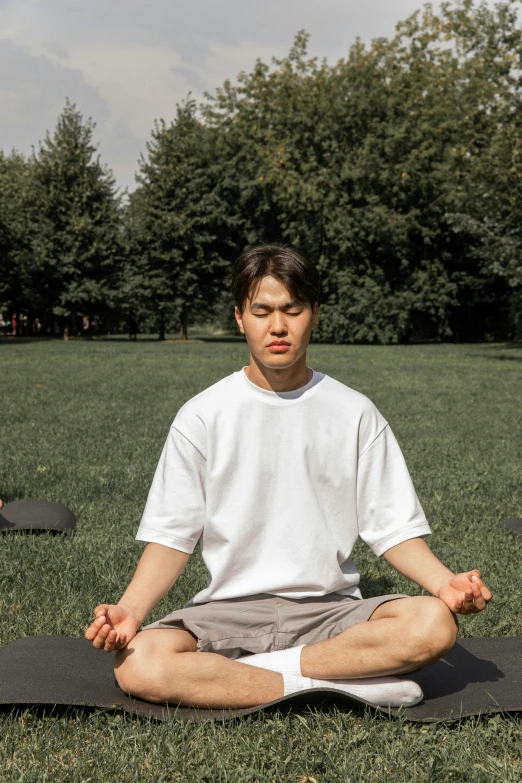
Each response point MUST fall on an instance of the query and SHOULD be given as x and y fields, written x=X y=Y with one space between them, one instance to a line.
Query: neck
x=285 y=379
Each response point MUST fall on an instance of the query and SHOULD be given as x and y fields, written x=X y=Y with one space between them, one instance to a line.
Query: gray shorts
x=262 y=623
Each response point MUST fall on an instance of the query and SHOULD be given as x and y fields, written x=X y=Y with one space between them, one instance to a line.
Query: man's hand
x=116 y=624
x=112 y=629
x=465 y=593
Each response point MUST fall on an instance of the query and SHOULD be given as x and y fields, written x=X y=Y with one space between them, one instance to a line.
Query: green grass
x=83 y=423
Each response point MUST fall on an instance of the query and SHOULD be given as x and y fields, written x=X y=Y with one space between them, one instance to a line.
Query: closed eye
x=264 y=315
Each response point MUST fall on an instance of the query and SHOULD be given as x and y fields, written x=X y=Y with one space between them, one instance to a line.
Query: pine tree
x=77 y=249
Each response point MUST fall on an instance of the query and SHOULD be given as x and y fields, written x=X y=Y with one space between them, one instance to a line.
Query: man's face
x=277 y=329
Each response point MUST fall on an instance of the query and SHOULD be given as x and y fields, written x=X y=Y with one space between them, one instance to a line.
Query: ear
x=239 y=319
x=315 y=314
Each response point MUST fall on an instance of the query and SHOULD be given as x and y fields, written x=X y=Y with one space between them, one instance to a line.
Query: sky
x=126 y=63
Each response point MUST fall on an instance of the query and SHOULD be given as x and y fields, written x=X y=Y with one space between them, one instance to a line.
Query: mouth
x=278 y=346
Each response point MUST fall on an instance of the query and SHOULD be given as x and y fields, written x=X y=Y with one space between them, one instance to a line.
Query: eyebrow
x=263 y=306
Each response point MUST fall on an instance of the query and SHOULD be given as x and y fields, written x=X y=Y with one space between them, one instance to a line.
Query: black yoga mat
x=36 y=515
x=478 y=676
x=514 y=524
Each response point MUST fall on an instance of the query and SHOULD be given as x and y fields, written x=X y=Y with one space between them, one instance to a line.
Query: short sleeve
x=175 y=511
x=388 y=510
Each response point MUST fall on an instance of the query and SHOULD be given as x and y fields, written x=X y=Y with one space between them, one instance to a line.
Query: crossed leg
x=401 y=636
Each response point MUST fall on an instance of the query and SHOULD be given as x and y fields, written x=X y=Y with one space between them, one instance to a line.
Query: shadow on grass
x=505 y=352
x=374 y=587
x=122 y=340
x=42 y=711
x=4 y=340
x=320 y=702
x=33 y=531
x=501 y=357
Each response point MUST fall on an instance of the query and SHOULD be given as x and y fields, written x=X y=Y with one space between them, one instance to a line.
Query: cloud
x=128 y=62
x=33 y=90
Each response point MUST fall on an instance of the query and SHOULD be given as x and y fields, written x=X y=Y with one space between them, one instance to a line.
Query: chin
x=280 y=362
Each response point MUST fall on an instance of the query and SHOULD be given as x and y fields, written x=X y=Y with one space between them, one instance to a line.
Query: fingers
x=484 y=589
x=106 y=638
x=467 y=603
x=476 y=599
x=457 y=606
x=101 y=633
x=93 y=629
x=121 y=642
x=481 y=593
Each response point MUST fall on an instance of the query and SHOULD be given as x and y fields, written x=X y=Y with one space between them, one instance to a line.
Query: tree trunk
x=183 y=328
x=161 y=335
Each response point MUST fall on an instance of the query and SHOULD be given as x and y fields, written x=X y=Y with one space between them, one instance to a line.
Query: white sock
x=380 y=691
x=283 y=661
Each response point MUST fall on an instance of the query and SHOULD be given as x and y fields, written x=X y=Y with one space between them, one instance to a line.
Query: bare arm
x=156 y=572
x=463 y=593
x=116 y=624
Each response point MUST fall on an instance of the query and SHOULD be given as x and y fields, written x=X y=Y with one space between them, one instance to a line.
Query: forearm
x=415 y=560
x=157 y=570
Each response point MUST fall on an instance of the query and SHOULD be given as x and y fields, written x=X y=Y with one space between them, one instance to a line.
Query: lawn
x=83 y=423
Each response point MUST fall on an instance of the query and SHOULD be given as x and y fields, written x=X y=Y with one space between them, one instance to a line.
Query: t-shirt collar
x=281 y=397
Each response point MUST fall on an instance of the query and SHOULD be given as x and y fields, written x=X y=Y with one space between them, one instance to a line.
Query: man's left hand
x=465 y=593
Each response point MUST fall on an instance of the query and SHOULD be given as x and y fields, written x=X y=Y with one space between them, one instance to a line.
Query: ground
x=83 y=423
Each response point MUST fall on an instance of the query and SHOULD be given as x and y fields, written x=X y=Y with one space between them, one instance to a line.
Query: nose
x=278 y=323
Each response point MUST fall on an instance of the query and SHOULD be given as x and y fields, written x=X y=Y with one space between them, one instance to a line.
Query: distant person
x=37 y=326
x=14 y=324
x=276 y=470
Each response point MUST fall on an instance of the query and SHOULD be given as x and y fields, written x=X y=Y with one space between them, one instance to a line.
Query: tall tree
x=177 y=224
x=17 y=230
x=77 y=249
x=369 y=165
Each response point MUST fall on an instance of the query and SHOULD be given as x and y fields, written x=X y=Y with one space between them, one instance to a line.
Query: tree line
x=397 y=169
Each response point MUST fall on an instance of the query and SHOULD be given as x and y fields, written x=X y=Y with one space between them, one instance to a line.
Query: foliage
x=177 y=223
x=61 y=224
x=369 y=165
x=16 y=230
x=76 y=250
x=397 y=168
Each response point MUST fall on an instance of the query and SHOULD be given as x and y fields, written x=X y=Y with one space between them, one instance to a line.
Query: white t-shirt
x=277 y=486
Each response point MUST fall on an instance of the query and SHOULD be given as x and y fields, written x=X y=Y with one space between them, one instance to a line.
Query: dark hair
x=283 y=262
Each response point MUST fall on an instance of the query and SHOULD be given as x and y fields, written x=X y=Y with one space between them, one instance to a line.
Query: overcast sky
x=127 y=62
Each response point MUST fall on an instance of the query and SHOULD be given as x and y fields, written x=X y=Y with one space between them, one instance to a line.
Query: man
x=276 y=470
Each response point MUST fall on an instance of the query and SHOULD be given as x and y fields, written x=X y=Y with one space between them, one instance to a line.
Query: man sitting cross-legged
x=276 y=470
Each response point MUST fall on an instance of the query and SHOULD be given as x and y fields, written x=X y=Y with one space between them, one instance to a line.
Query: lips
x=278 y=343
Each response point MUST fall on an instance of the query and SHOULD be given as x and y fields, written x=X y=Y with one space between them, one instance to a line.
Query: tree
x=77 y=246
x=369 y=165
x=177 y=224
x=17 y=283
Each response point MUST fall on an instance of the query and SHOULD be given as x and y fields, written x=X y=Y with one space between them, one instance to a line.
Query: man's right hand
x=112 y=629
x=157 y=570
